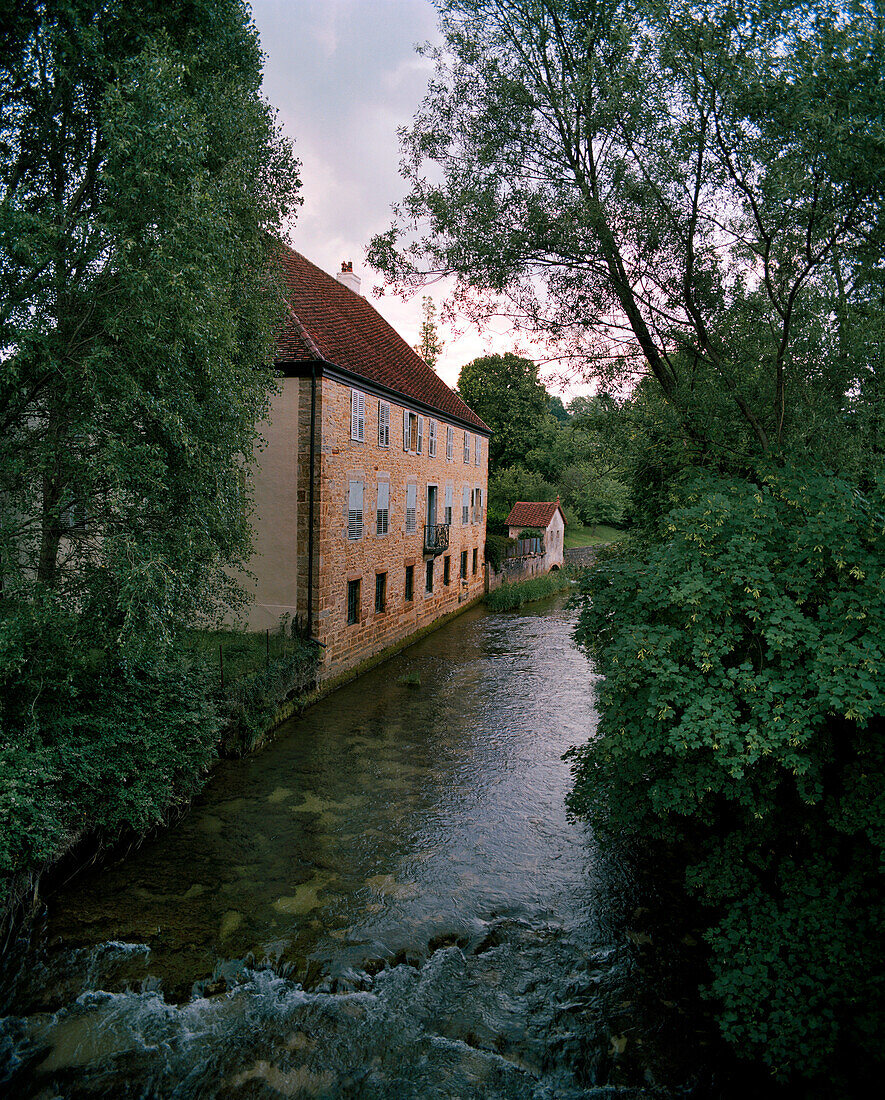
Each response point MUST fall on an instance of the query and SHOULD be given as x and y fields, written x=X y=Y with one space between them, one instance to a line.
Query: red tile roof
x=533 y=513
x=329 y=322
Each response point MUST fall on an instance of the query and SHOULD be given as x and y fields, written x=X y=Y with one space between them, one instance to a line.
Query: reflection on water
x=388 y=901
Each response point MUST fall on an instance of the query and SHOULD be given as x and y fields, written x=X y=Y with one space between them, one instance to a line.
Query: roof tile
x=328 y=321
x=532 y=513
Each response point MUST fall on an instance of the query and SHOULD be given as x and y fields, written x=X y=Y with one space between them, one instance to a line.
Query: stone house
x=370 y=495
x=546 y=516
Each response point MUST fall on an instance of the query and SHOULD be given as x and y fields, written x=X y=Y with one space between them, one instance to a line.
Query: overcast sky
x=343 y=75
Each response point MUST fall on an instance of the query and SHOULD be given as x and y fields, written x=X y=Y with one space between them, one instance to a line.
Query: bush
x=743 y=709
x=496 y=548
x=100 y=752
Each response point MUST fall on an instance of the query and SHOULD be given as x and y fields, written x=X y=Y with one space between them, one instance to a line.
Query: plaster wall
x=274 y=562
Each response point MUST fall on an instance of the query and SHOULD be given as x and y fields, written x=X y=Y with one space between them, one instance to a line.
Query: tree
x=507 y=486
x=429 y=346
x=742 y=717
x=505 y=391
x=692 y=191
x=141 y=178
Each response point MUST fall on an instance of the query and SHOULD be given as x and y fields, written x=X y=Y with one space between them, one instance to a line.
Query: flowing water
x=389 y=901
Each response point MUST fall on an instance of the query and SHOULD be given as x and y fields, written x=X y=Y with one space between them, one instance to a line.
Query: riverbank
x=510 y=596
x=126 y=748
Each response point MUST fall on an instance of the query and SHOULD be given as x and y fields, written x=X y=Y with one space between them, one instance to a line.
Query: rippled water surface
x=389 y=901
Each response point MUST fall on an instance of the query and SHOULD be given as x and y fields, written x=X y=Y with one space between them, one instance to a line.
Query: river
x=388 y=901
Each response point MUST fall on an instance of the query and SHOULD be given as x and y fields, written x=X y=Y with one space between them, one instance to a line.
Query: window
x=463 y=565
x=447 y=515
x=465 y=506
x=475 y=554
x=353 y=602
x=428 y=579
x=382 y=511
x=355 y=510
x=447 y=569
x=467 y=446
x=431 y=439
x=410 y=582
x=411 y=506
x=413 y=432
x=357 y=415
x=383 y=424
x=450 y=442
x=476 y=505
x=477 y=450
x=380 y=592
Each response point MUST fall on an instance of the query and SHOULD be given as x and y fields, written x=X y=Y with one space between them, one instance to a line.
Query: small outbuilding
x=546 y=516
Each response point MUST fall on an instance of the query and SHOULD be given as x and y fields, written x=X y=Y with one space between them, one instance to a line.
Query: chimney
x=347 y=277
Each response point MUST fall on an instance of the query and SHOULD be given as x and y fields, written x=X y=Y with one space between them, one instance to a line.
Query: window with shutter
x=420 y=445
x=450 y=442
x=357 y=415
x=467 y=446
x=405 y=430
x=411 y=506
x=383 y=424
x=465 y=506
x=431 y=439
x=448 y=505
x=477 y=450
x=382 y=513
x=355 y=510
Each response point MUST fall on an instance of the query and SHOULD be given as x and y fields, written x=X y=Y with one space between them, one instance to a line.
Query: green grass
x=510 y=596
x=590 y=536
x=245 y=652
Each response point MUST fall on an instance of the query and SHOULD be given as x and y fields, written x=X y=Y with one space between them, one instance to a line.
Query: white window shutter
x=405 y=430
x=383 y=424
x=355 y=510
x=383 y=508
x=420 y=446
x=357 y=415
x=476 y=450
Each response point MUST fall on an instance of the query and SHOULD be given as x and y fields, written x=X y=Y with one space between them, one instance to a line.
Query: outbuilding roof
x=330 y=323
x=530 y=513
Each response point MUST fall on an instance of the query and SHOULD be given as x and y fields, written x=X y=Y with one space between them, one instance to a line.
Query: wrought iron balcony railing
x=436 y=538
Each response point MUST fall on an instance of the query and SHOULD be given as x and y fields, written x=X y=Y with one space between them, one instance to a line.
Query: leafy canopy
x=742 y=710
x=693 y=191
x=141 y=174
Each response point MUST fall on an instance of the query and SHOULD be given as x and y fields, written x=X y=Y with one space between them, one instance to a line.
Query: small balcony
x=436 y=538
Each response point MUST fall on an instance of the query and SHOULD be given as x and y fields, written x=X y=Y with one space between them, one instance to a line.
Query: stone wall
x=582 y=556
x=340 y=559
x=516 y=569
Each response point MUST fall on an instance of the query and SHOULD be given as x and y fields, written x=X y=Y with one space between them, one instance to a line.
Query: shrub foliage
x=742 y=713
